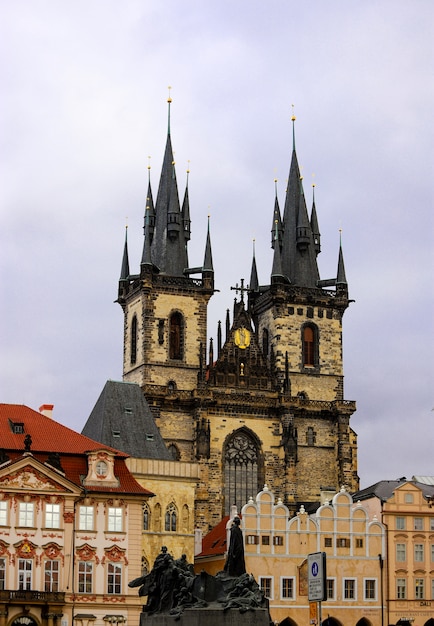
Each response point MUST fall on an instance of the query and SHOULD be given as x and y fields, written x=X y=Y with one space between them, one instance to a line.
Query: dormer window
x=101 y=469
x=17 y=427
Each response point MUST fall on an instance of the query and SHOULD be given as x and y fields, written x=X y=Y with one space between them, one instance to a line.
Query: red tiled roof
x=46 y=433
x=50 y=436
x=214 y=543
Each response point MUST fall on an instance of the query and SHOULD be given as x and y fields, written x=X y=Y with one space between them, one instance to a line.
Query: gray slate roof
x=384 y=489
x=121 y=418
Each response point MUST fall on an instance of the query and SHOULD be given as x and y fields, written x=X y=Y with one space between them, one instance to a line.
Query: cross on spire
x=240 y=288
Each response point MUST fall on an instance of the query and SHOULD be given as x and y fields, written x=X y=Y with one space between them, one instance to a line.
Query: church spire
x=314 y=225
x=125 y=268
x=276 y=272
x=341 y=277
x=276 y=216
x=207 y=261
x=254 y=283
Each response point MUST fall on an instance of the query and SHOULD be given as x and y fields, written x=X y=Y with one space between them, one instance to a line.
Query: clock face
x=101 y=468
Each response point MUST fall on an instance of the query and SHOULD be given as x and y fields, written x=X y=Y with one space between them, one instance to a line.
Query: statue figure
x=235 y=565
x=27 y=443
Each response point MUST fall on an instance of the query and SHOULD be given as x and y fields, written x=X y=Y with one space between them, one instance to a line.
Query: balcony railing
x=29 y=596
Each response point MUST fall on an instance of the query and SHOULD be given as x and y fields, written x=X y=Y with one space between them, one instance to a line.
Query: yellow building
x=276 y=551
x=70 y=526
x=405 y=507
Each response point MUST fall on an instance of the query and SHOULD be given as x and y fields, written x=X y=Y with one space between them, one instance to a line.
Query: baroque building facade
x=265 y=403
x=70 y=522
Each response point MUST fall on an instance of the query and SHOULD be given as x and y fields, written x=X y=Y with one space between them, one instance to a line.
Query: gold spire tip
x=293 y=118
x=169 y=99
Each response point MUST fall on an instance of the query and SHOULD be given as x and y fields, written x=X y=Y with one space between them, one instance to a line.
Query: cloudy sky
x=84 y=90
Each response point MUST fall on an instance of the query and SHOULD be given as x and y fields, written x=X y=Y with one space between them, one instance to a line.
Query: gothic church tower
x=265 y=404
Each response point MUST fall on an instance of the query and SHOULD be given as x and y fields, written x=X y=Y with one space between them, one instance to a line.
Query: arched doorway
x=430 y=622
x=364 y=622
x=330 y=621
x=24 y=620
x=287 y=622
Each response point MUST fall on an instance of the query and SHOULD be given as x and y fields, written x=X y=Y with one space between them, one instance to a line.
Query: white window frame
x=282 y=595
x=401 y=587
x=419 y=584
x=271 y=579
x=417 y=523
x=52 y=575
x=25 y=574
x=26 y=514
x=403 y=549
x=87 y=575
x=52 y=515
x=333 y=580
x=349 y=579
x=2 y=573
x=419 y=553
x=400 y=523
x=86 y=516
x=115 y=516
x=114 y=570
x=3 y=513
x=431 y=522
x=365 y=595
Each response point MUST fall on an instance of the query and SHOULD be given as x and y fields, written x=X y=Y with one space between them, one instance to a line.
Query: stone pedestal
x=208 y=617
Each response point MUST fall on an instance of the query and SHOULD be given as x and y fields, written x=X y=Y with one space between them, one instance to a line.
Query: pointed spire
x=341 y=277
x=276 y=216
x=125 y=269
x=254 y=283
x=211 y=352
x=303 y=226
x=219 y=339
x=146 y=255
x=207 y=261
x=228 y=324
x=293 y=118
x=169 y=102
x=276 y=272
x=314 y=225
x=186 y=211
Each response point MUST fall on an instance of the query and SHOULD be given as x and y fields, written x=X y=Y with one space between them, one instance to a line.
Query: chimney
x=47 y=410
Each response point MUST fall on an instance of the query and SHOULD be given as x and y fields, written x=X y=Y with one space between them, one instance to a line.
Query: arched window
x=310 y=436
x=265 y=342
x=171 y=518
x=146 y=517
x=174 y=452
x=175 y=336
x=241 y=460
x=133 y=352
x=144 y=566
x=310 y=345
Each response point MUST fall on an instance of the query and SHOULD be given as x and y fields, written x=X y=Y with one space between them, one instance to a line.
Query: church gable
x=28 y=474
x=241 y=363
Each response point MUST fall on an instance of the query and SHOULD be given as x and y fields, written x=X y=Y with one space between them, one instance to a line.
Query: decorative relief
x=80 y=598
x=114 y=554
x=53 y=551
x=27 y=478
x=113 y=599
x=26 y=550
x=68 y=517
x=87 y=553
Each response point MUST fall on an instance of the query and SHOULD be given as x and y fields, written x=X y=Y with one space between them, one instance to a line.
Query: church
x=263 y=403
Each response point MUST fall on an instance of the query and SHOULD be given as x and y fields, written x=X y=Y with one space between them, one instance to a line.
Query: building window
x=266 y=585
x=401 y=588
x=310 y=345
x=252 y=540
x=146 y=517
x=330 y=588
x=171 y=518
x=2 y=574
x=174 y=452
x=310 y=436
x=408 y=498
x=328 y=542
x=265 y=540
x=114 y=519
x=133 y=355
x=419 y=588
x=418 y=552
x=431 y=523
x=241 y=475
x=85 y=577
x=342 y=542
x=432 y=588
x=51 y=575
x=265 y=342
x=349 y=589
x=25 y=514
x=418 y=523
x=3 y=513
x=432 y=552
x=52 y=515
x=175 y=336
x=25 y=568
x=370 y=589
x=287 y=589
x=114 y=578
x=400 y=523
x=359 y=542
x=86 y=518
x=401 y=552
x=278 y=540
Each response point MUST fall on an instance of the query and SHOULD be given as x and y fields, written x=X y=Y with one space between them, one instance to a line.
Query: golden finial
x=149 y=162
x=188 y=167
x=169 y=99
x=293 y=118
x=126 y=221
x=313 y=180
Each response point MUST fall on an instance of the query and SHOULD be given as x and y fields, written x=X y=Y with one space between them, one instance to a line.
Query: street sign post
x=316 y=579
